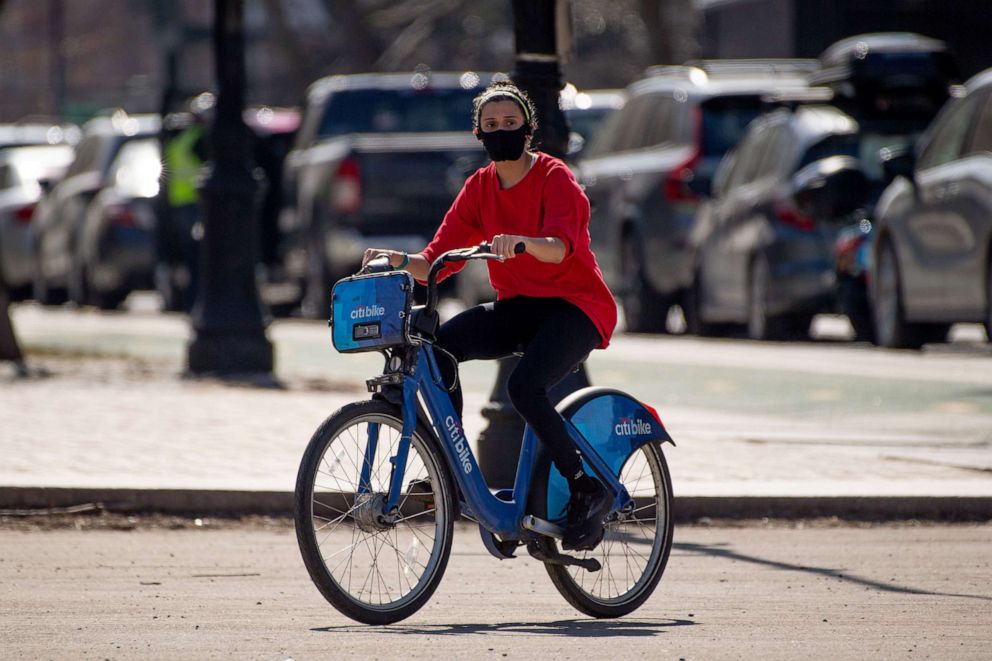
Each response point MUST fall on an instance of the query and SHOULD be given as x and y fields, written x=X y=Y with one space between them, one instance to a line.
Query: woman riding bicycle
x=552 y=302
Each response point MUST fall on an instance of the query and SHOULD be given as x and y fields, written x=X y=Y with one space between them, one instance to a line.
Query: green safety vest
x=183 y=167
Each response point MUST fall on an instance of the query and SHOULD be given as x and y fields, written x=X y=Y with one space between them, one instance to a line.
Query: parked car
x=652 y=163
x=24 y=172
x=585 y=111
x=115 y=248
x=763 y=246
x=60 y=214
x=893 y=84
x=27 y=134
x=888 y=75
x=378 y=160
x=932 y=262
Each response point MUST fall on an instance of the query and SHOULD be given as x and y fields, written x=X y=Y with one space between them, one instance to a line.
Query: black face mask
x=505 y=145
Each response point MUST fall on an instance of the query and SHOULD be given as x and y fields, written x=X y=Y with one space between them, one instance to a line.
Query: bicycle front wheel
x=374 y=569
x=635 y=545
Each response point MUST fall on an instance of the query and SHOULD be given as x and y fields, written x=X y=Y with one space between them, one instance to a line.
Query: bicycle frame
x=499 y=516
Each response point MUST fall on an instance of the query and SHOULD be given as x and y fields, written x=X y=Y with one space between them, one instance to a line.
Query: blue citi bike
x=382 y=481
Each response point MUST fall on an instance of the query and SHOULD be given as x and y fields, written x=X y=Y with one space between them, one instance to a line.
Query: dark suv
x=652 y=163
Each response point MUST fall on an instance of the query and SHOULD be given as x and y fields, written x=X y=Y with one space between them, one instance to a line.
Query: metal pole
x=229 y=328
x=537 y=72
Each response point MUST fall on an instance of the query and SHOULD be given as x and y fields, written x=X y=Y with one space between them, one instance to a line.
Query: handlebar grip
x=377 y=265
x=518 y=249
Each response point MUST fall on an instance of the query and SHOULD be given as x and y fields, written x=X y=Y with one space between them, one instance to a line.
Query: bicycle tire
x=321 y=486
x=578 y=586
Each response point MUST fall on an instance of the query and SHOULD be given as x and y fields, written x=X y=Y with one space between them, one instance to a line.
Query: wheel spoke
x=375 y=565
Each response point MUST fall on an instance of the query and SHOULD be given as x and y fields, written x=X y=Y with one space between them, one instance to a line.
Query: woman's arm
x=548 y=249
x=417 y=265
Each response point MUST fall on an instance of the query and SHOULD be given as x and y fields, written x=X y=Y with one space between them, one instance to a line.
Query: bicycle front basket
x=371 y=312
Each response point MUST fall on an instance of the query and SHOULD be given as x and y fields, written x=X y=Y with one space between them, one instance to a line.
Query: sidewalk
x=762 y=430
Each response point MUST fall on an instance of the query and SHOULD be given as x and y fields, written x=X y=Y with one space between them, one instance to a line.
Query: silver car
x=24 y=172
x=933 y=252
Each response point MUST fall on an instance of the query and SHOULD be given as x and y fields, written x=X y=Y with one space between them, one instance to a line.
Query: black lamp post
x=537 y=71
x=228 y=324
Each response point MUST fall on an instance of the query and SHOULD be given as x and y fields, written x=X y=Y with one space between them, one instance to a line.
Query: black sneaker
x=587 y=506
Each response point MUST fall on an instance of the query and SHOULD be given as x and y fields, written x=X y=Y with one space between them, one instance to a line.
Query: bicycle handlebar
x=481 y=251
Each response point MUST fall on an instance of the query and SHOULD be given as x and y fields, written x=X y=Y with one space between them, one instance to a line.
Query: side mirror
x=898 y=162
x=46 y=185
x=831 y=187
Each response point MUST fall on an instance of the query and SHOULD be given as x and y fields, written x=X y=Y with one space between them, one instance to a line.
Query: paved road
x=762 y=419
x=770 y=593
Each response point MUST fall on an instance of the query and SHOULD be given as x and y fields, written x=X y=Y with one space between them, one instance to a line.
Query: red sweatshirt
x=546 y=202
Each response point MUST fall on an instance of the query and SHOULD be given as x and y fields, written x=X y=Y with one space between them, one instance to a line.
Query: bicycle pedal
x=553 y=557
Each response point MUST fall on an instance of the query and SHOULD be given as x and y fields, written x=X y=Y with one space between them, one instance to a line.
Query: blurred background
x=72 y=59
x=678 y=112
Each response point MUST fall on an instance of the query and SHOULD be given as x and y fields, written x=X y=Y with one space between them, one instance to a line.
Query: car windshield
x=398 y=111
x=586 y=121
x=865 y=147
x=725 y=120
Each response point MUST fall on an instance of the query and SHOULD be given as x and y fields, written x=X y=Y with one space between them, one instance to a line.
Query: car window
x=725 y=120
x=398 y=111
x=981 y=141
x=844 y=144
x=87 y=154
x=587 y=121
x=777 y=153
x=871 y=144
x=747 y=167
x=659 y=122
x=606 y=137
x=638 y=117
x=949 y=134
x=8 y=177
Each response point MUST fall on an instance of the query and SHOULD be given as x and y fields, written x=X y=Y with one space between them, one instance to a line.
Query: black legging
x=554 y=336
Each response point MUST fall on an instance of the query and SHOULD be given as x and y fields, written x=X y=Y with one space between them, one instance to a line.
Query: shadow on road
x=569 y=628
x=724 y=552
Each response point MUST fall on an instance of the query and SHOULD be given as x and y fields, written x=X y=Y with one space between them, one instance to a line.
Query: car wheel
x=78 y=288
x=760 y=324
x=891 y=329
x=692 y=302
x=108 y=300
x=988 y=300
x=42 y=292
x=644 y=310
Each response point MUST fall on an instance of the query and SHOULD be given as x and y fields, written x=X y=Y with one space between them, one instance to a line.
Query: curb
x=28 y=500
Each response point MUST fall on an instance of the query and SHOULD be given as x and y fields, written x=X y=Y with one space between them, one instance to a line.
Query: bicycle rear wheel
x=635 y=546
x=373 y=570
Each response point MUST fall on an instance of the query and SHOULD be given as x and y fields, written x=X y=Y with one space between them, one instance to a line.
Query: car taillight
x=24 y=214
x=346 y=189
x=788 y=215
x=122 y=216
x=677 y=182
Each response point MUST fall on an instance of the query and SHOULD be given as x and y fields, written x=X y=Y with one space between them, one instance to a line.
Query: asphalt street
x=881 y=592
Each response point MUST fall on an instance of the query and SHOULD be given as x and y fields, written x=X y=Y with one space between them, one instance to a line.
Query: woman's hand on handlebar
x=504 y=245
x=394 y=256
